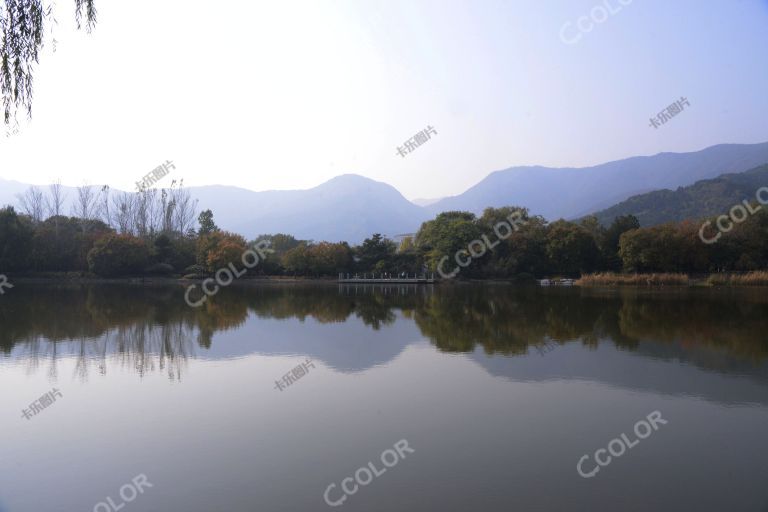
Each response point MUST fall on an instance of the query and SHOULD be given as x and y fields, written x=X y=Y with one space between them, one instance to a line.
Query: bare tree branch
x=32 y=203
x=86 y=206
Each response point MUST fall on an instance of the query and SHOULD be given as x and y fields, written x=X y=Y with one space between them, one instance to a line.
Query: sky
x=286 y=95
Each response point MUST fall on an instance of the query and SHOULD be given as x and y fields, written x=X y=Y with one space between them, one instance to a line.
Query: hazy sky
x=287 y=94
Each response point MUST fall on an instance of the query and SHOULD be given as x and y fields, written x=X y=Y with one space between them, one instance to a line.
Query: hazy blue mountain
x=348 y=207
x=573 y=192
x=352 y=207
x=702 y=199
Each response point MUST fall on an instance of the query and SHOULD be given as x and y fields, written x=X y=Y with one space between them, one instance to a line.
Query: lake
x=312 y=397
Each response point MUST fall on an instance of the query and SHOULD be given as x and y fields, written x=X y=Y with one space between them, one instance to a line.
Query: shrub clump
x=118 y=255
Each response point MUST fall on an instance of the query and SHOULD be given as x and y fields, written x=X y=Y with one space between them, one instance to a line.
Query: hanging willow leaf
x=22 y=26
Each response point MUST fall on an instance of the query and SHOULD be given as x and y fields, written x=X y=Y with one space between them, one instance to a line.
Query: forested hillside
x=702 y=199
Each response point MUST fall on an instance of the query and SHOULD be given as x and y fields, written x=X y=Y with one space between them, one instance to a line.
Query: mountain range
x=702 y=199
x=351 y=207
x=574 y=192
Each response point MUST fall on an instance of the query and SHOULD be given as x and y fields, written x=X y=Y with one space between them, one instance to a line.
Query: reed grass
x=614 y=279
x=755 y=278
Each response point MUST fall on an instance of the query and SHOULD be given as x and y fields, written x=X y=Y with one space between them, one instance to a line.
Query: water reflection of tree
x=723 y=321
x=373 y=305
x=142 y=348
x=144 y=329
x=503 y=320
x=151 y=329
x=507 y=320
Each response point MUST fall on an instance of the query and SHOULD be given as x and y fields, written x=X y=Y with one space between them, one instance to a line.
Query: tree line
x=159 y=232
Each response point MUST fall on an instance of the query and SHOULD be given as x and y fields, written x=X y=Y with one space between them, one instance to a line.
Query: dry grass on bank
x=756 y=278
x=613 y=279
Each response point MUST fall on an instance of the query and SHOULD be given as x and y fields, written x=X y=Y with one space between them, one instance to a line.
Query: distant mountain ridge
x=345 y=208
x=351 y=207
x=702 y=199
x=573 y=192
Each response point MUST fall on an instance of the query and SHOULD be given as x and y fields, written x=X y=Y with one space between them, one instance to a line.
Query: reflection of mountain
x=355 y=328
x=348 y=347
x=348 y=329
x=676 y=375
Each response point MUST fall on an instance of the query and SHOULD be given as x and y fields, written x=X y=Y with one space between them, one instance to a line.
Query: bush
x=118 y=255
x=180 y=252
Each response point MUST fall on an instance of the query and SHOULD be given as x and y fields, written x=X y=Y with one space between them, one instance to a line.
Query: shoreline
x=158 y=279
x=604 y=280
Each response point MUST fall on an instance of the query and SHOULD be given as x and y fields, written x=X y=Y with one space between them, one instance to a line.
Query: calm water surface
x=498 y=391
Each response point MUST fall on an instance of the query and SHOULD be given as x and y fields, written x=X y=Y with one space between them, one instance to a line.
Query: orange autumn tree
x=218 y=249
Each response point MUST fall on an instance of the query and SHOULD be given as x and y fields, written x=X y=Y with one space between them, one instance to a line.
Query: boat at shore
x=556 y=282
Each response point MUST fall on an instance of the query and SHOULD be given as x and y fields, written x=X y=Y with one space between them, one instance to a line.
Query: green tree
x=118 y=255
x=182 y=251
x=15 y=241
x=297 y=260
x=280 y=242
x=374 y=250
x=524 y=252
x=175 y=250
x=207 y=226
x=448 y=233
x=747 y=245
x=610 y=245
x=60 y=245
x=654 y=249
x=511 y=250
x=328 y=258
x=571 y=249
x=406 y=245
